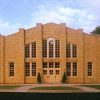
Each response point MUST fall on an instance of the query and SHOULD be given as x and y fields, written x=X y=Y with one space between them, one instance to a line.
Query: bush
x=39 y=78
x=64 y=78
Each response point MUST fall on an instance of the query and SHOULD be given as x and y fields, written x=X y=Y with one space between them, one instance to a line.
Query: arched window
x=51 y=48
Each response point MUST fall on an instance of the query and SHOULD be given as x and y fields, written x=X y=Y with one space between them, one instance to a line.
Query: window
x=45 y=72
x=89 y=68
x=50 y=49
x=57 y=71
x=57 y=49
x=50 y=65
x=74 y=51
x=27 y=69
x=44 y=64
x=50 y=71
x=68 y=69
x=34 y=69
x=44 y=48
x=27 y=51
x=74 y=69
x=11 y=65
x=57 y=64
x=34 y=50
x=71 y=51
x=68 y=53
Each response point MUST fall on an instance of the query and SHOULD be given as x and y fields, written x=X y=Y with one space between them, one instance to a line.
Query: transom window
x=44 y=64
x=89 y=68
x=50 y=71
x=45 y=72
x=57 y=64
x=51 y=65
x=57 y=71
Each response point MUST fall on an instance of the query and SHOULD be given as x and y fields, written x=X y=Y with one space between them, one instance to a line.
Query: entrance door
x=51 y=74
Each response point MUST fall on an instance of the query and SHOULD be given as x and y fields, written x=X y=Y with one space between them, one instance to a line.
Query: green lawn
x=93 y=86
x=8 y=87
x=54 y=88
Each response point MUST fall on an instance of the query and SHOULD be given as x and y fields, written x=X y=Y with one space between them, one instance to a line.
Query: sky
x=15 y=14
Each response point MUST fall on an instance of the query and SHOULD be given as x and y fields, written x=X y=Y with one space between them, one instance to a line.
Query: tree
x=39 y=78
x=96 y=31
x=64 y=78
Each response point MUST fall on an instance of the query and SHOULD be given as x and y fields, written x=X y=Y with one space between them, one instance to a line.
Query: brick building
x=50 y=49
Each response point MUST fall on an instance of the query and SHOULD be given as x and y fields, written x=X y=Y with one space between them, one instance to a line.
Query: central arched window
x=51 y=48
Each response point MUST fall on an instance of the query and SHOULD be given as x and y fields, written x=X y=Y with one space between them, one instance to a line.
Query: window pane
x=68 y=51
x=50 y=49
x=74 y=51
x=34 y=69
x=45 y=72
x=50 y=71
x=74 y=68
x=50 y=65
x=68 y=69
x=57 y=49
x=34 y=50
x=44 y=64
x=27 y=69
x=57 y=64
x=89 y=68
x=44 y=48
x=27 y=51
x=57 y=71
x=11 y=69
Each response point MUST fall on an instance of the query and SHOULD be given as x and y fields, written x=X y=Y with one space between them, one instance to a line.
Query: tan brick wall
x=88 y=49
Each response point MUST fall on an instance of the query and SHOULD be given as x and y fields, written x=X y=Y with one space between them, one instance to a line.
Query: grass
x=8 y=87
x=54 y=88
x=92 y=86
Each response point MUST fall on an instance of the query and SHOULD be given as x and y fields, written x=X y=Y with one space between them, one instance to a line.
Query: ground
x=50 y=88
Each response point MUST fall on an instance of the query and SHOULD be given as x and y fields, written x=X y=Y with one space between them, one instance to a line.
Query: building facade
x=49 y=49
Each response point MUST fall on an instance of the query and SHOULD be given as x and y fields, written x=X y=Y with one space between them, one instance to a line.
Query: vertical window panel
x=27 y=69
x=27 y=51
x=34 y=69
x=34 y=50
x=57 y=49
x=68 y=51
x=74 y=51
x=51 y=50
x=68 y=69
x=89 y=68
x=44 y=48
x=74 y=69
x=11 y=69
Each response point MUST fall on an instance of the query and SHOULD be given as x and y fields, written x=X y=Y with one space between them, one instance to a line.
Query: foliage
x=39 y=78
x=96 y=31
x=64 y=78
